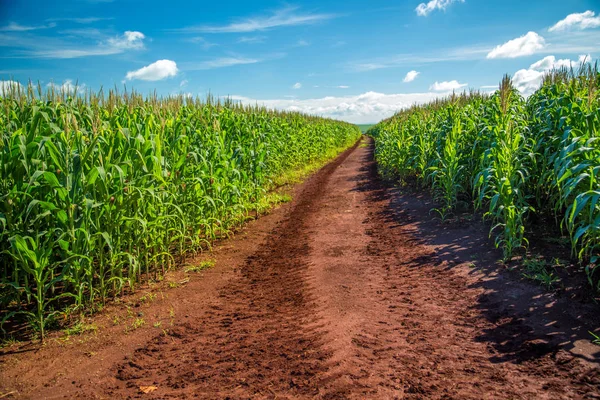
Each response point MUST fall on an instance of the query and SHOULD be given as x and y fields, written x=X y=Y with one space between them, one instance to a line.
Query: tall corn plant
x=500 y=184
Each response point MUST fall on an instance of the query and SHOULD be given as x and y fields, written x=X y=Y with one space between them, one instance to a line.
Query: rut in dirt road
x=344 y=301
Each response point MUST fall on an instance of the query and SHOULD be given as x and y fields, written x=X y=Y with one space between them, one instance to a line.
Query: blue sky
x=353 y=60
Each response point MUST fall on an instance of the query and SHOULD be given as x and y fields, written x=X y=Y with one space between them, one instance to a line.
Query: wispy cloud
x=297 y=85
x=424 y=9
x=43 y=47
x=285 y=17
x=252 y=39
x=399 y=60
x=221 y=62
x=14 y=27
x=82 y=20
x=92 y=33
x=202 y=42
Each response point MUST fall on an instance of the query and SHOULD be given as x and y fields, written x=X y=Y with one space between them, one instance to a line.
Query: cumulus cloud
x=156 y=71
x=297 y=85
x=7 y=87
x=365 y=108
x=410 y=76
x=446 y=86
x=424 y=9
x=529 y=80
x=581 y=21
x=522 y=46
x=550 y=62
x=67 y=87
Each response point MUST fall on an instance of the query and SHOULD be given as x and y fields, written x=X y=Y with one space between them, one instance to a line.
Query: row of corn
x=515 y=159
x=98 y=192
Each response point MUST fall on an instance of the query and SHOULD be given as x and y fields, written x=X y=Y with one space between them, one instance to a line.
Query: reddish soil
x=351 y=291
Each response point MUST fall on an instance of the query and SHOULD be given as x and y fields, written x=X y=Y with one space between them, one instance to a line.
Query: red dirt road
x=351 y=291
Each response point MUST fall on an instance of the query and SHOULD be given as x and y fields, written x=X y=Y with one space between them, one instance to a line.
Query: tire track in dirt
x=255 y=343
x=402 y=324
x=347 y=299
x=345 y=302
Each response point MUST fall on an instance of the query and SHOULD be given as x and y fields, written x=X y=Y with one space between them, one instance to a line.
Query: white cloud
x=67 y=87
x=7 y=87
x=550 y=62
x=529 y=80
x=14 y=27
x=252 y=39
x=82 y=20
x=343 y=87
x=522 y=46
x=183 y=83
x=156 y=71
x=582 y=21
x=447 y=86
x=424 y=9
x=410 y=76
x=302 y=43
x=130 y=40
x=280 y=18
x=365 y=108
x=202 y=42
x=297 y=85
x=220 y=63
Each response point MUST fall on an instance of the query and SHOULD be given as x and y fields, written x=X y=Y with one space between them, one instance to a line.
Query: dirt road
x=351 y=291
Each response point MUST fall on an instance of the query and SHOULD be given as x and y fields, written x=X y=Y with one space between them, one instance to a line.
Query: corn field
x=99 y=192
x=510 y=157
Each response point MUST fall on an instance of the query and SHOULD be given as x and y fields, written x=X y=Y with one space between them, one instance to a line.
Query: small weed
x=79 y=328
x=148 y=298
x=202 y=266
x=173 y=285
x=8 y=342
x=137 y=323
x=157 y=324
x=172 y=315
x=538 y=270
x=596 y=339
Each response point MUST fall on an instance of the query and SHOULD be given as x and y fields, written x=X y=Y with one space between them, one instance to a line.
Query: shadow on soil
x=528 y=321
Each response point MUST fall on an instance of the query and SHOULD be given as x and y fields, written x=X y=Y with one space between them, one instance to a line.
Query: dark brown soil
x=351 y=291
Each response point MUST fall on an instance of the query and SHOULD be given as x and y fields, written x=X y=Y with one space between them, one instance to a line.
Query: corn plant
x=99 y=192
x=513 y=157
